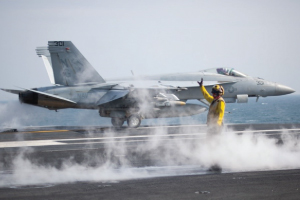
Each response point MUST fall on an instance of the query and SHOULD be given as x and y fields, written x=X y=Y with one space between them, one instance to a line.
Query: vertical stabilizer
x=67 y=65
x=43 y=52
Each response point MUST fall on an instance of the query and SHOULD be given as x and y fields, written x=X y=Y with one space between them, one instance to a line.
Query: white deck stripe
x=53 y=142
x=34 y=143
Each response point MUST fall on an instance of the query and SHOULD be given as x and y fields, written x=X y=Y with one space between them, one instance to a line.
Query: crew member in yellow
x=214 y=118
x=216 y=109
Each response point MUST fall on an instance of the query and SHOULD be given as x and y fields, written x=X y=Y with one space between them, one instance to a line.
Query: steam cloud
x=16 y=115
x=168 y=157
x=164 y=156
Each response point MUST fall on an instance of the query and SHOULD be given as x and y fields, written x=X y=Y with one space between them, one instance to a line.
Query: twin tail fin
x=65 y=64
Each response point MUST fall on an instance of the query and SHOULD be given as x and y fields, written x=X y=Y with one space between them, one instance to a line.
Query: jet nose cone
x=282 y=89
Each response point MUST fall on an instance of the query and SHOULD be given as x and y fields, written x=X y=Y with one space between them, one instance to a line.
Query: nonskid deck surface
x=154 y=162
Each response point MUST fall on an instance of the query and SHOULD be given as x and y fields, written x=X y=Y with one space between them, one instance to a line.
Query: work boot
x=215 y=168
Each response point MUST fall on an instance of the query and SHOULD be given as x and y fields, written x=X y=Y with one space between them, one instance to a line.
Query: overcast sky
x=259 y=38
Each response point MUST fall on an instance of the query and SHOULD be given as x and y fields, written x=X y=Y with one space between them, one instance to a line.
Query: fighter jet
x=237 y=85
x=76 y=84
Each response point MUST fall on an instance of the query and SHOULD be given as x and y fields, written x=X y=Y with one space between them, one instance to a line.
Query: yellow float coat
x=216 y=109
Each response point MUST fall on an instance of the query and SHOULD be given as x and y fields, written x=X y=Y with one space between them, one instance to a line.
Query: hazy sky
x=259 y=38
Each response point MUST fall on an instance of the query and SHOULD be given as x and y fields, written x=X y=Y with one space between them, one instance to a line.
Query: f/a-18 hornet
x=76 y=84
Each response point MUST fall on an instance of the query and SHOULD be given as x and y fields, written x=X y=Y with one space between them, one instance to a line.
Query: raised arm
x=206 y=95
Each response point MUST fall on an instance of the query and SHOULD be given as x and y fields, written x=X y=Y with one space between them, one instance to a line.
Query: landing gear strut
x=134 y=121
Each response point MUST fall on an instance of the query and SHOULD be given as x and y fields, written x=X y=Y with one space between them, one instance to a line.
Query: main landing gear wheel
x=117 y=122
x=134 y=121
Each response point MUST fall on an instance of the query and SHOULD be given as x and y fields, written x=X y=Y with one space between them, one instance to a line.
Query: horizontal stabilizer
x=50 y=95
x=12 y=91
x=112 y=95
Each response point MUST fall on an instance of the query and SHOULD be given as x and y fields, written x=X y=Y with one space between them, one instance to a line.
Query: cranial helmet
x=218 y=89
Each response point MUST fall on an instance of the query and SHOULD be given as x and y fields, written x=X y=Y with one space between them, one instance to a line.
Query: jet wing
x=210 y=83
x=191 y=83
x=112 y=95
x=51 y=95
x=204 y=101
x=168 y=85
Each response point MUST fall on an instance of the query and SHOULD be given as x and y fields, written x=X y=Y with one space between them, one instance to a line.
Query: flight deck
x=165 y=162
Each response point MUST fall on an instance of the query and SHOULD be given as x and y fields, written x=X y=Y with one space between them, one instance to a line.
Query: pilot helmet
x=218 y=89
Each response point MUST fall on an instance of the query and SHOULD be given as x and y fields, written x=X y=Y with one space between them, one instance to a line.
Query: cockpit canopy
x=226 y=72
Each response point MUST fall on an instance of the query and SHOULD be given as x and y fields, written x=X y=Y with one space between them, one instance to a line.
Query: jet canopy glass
x=226 y=72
